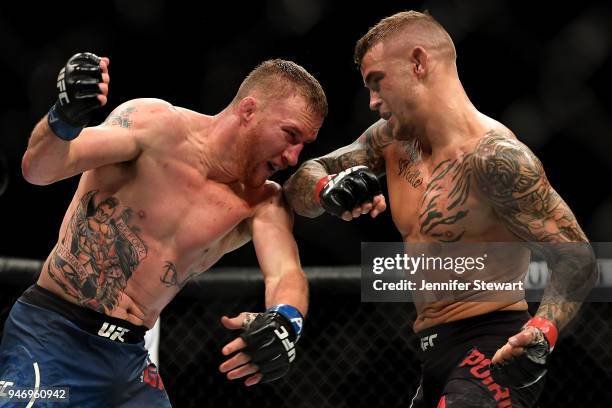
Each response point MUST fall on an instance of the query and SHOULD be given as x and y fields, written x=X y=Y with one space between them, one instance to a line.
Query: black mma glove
x=271 y=338
x=77 y=85
x=346 y=190
x=528 y=367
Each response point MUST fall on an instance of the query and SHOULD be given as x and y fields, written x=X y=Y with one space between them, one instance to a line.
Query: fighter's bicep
x=513 y=181
x=272 y=233
x=97 y=147
x=114 y=141
x=125 y=133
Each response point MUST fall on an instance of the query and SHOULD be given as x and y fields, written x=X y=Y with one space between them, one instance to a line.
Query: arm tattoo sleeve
x=513 y=180
x=367 y=150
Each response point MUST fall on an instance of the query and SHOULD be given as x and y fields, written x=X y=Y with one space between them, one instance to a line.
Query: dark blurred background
x=543 y=72
x=541 y=68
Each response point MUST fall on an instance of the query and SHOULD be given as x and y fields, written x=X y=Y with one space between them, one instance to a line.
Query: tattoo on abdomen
x=98 y=254
x=443 y=203
x=169 y=277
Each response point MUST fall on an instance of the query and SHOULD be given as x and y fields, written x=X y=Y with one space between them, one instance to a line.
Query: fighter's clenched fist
x=82 y=87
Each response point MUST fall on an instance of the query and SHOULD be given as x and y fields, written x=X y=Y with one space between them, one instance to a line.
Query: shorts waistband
x=492 y=318
x=89 y=320
x=456 y=333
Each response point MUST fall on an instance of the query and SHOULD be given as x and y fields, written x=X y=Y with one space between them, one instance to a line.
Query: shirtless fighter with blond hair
x=164 y=193
x=454 y=175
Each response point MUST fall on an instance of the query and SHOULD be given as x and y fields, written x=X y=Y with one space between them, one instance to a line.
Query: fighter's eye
x=376 y=85
x=292 y=135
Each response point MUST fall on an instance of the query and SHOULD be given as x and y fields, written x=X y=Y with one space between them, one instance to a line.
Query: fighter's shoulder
x=270 y=196
x=499 y=157
x=498 y=142
x=144 y=113
x=271 y=193
x=377 y=136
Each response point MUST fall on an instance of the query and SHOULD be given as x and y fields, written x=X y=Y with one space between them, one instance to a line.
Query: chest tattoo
x=408 y=166
x=444 y=200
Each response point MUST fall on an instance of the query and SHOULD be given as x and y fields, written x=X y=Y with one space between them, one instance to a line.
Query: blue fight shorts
x=98 y=361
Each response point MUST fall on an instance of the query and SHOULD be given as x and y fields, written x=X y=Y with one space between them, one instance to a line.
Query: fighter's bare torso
x=438 y=195
x=136 y=232
x=436 y=199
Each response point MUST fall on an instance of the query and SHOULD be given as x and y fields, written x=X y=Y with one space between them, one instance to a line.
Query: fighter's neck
x=450 y=119
x=218 y=148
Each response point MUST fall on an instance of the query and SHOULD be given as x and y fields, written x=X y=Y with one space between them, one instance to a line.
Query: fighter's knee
x=466 y=394
x=466 y=400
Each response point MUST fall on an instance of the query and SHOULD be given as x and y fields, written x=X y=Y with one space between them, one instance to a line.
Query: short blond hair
x=421 y=26
x=282 y=78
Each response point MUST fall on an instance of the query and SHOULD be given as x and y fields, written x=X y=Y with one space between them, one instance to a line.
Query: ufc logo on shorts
x=61 y=86
x=112 y=332
x=428 y=341
x=3 y=386
x=283 y=335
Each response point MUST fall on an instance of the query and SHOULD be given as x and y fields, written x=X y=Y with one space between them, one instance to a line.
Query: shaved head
x=279 y=79
x=412 y=29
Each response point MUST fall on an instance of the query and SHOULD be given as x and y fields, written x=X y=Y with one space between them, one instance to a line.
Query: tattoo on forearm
x=120 y=118
x=98 y=254
x=299 y=189
x=573 y=273
x=367 y=151
x=557 y=311
x=513 y=179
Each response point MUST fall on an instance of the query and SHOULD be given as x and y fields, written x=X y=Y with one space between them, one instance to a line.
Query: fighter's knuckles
x=254 y=379
x=242 y=371
x=103 y=99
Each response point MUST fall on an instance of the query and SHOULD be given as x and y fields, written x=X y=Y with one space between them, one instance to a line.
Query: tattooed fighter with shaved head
x=454 y=175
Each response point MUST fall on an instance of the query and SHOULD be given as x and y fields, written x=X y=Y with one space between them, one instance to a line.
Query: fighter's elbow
x=591 y=268
x=302 y=207
x=309 y=213
x=584 y=259
x=26 y=169
x=34 y=174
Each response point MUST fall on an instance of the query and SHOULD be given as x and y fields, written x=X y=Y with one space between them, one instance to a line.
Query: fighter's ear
x=246 y=108
x=419 y=59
